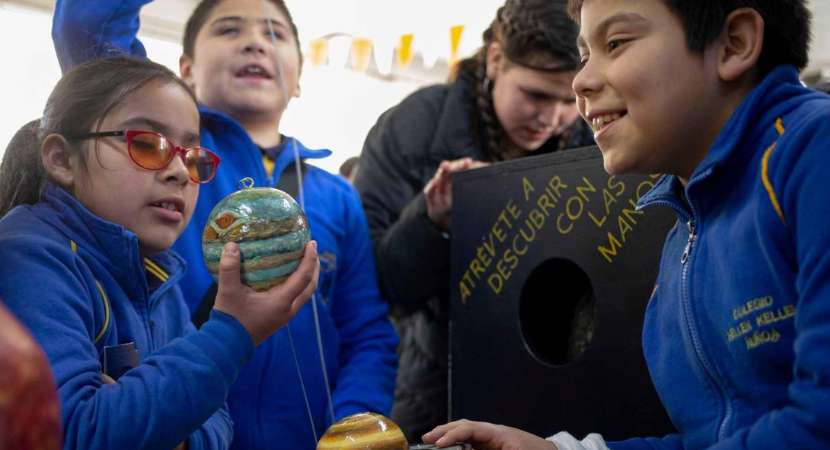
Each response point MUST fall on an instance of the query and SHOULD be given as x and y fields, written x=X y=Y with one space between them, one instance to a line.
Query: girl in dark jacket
x=512 y=99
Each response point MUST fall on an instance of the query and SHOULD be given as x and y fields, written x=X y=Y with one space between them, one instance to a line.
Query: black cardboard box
x=552 y=268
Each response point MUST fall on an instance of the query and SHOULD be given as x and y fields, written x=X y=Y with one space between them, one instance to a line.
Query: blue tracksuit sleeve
x=368 y=361
x=670 y=442
x=89 y=29
x=174 y=390
x=217 y=432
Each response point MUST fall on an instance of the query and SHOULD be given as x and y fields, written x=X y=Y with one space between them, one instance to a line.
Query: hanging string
x=301 y=197
x=302 y=383
x=317 y=329
x=322 y=358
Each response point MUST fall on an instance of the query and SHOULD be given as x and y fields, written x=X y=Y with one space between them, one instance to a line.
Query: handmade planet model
x=269 y=227
x=29 y=408
x=364 y=431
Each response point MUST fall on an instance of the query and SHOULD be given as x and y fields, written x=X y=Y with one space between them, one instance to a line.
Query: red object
x=29 y=409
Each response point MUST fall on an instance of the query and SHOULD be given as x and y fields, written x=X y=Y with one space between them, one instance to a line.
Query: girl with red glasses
x=93 y=199
x=243 y=60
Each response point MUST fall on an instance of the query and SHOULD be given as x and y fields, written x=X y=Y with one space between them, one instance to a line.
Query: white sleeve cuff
x=564 y=441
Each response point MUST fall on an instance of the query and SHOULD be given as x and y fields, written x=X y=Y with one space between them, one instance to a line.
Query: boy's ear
x=58 y=160
x=495 y=59
x=186 y=71
x=741 y=43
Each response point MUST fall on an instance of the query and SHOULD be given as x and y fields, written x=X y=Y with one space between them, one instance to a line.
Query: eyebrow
x=154 y=125
x=550 y=94
x=603 y=26
x=276 y=23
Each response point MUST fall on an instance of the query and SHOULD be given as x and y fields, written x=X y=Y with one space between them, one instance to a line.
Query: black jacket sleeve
x=395 y=164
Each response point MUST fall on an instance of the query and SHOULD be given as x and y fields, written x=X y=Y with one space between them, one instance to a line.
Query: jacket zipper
x=685 y=257
x=693 y=332
x=151 y=305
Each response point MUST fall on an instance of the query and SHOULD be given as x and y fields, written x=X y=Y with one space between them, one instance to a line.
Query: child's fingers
x=297 y=283
x=302 y=299
x=106 y=379
x=451 y=168
x=465 y=431
x=439 y=431
x=432 y=184
x=459 y=165
x=456 y=435
x=439 y=176
x=438 y=188
x=431 y=190
x=229 y=267
x=443 y=183
x=462 y=164
x=430 y=187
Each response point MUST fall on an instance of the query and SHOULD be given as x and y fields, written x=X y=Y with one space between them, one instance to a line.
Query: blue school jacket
x=80 y=286
x=267 y=402
x=737 y=334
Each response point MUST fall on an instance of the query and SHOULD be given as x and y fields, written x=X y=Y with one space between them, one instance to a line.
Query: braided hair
x=537 y=34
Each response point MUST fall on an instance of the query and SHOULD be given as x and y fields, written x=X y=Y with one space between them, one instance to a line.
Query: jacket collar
x=290 y=148
x=765 y=103
x=222 y=121
x=112 y=245
x=667 y=192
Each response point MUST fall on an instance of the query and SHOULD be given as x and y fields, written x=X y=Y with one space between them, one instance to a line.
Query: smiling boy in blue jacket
x=737 y=332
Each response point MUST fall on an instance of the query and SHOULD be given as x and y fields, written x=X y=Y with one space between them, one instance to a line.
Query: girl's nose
x=176 y=171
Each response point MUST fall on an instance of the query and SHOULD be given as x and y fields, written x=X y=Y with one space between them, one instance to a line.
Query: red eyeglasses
x=152 y=151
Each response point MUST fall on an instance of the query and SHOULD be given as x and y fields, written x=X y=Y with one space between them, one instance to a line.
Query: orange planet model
x=29 y=415
x=364 y=431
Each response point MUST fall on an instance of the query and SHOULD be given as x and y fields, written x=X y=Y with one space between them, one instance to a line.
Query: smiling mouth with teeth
x=599 y=122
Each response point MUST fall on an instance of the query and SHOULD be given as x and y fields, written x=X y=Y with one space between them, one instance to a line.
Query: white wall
x=31 y=68
x=820 y=48
x=336 y=109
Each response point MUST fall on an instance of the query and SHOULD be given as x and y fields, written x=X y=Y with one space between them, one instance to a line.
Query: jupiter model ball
x=269 y=227
x=363 y=431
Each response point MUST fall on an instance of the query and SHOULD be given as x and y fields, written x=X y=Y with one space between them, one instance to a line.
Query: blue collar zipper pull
x=685 y=257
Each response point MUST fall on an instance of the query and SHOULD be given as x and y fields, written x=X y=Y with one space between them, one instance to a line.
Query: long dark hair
x=79 y=102
x=537 y=34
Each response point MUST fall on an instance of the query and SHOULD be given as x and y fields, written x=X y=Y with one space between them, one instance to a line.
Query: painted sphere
x=29 y=410
x=364 y=431
x=269 y=227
